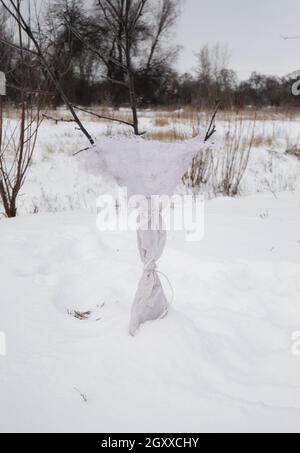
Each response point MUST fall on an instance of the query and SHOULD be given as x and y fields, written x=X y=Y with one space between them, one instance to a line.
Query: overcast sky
x=250 y=28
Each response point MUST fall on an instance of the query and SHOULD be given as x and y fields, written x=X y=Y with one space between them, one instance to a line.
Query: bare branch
x=24 y=25
x=102 y=117
x=58 y=120
x=16 y=47
x=17 y=145
x=103 y=58
x=212 y=128
x=82 y=150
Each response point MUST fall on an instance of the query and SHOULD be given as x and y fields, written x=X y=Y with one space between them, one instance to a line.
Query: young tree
x=128 y=36
x=113 y=37
x=215 y=79
x=18 y=138
x=125 y=21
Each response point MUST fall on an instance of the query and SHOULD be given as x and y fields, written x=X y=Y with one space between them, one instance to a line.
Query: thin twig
x=58 y=120
x=82 y=150
x=117 y=120
x=16 y=47
x=28 y=90
x=91 y=48
x=212 y=127
x=101 y=116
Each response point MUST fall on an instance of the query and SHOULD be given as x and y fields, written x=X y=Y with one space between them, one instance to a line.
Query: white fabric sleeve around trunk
x=150 y=302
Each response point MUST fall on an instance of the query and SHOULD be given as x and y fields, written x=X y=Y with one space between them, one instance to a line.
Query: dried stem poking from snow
x=212 y=127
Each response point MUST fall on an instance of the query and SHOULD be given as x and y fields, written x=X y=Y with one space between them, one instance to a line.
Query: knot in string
x=150 y=269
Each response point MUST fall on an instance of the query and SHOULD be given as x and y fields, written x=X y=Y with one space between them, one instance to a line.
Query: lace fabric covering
x=144 y=167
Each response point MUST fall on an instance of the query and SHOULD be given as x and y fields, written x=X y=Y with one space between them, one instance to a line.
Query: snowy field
x=222 y=360
x=57 y=182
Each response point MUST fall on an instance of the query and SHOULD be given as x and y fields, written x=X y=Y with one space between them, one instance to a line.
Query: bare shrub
x=18 y=136
x=200 y=172
x=230 y=165
x=221 y=170
x=16 y=151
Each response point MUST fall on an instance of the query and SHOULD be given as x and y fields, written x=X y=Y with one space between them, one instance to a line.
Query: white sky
x=250 y=28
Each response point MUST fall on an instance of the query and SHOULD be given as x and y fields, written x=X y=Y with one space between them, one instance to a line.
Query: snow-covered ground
x=222 y=360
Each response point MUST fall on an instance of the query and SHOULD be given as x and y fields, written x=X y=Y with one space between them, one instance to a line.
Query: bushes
x=222 y=169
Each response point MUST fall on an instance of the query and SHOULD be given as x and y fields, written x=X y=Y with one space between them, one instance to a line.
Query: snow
x=220 y=361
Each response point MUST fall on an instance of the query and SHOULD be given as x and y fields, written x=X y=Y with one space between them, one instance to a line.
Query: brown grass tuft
x=170 y=135
x=294 y=151
x=264 y=140
x=161 y=121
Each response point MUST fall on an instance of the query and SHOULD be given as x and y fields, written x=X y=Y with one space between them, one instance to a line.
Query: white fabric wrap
x=145 y=168
x=150 y=302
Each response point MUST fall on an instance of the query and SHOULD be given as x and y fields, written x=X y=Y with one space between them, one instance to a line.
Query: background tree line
x=88 y=51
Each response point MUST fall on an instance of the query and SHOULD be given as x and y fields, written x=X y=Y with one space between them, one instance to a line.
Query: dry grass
x=11 y=113
x=294 y=151
x=192 y=114
x=164 y=116
x=181 y=124
x=188 y=115
x=161 y=121
x=264 y=114
x=121 y=131
x=268 y=141
x=170 y=135
x=49 y=149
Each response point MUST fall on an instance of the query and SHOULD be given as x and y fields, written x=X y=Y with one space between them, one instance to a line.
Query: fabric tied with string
x=150 y=302
x=145 y=168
